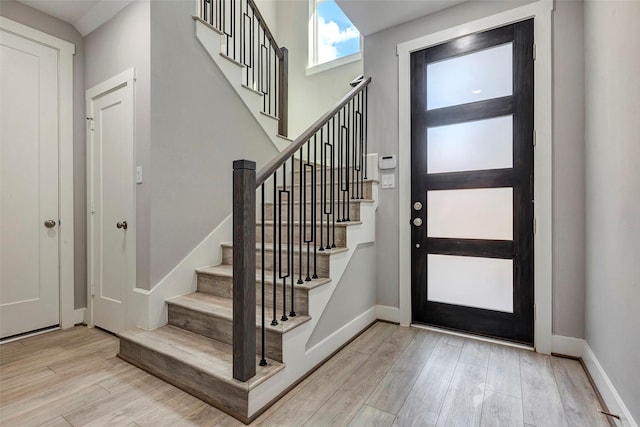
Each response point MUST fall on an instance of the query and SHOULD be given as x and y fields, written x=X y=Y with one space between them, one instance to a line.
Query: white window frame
x=313 y=67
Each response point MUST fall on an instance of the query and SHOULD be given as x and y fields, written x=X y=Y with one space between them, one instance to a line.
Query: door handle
x=49 y=223
x=122 y=224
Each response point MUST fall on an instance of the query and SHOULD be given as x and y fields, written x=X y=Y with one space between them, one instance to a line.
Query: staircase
x=194 y=350
x=244 y=333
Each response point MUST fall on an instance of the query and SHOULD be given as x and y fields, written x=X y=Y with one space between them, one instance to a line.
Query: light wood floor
x=389 y=375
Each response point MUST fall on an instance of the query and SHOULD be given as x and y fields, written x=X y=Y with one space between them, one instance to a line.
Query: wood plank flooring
x=388 y=376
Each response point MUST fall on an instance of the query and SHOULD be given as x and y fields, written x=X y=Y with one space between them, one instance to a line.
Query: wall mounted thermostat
x=387 y=162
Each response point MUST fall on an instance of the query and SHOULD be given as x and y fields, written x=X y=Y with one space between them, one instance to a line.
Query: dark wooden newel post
x=244 y=269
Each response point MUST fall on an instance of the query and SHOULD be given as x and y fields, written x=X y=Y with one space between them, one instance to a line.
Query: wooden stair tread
x=296 y=248
x=206 y=355
x=226 y=270
x=223 y=308
x=297 y=202
x=296 y=222
x=308 y=184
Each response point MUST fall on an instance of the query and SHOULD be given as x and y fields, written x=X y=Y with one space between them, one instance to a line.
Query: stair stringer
x=211 y=40
x=297 y=358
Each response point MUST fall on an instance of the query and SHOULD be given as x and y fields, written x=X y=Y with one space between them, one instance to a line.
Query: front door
x=472 y=184
x=29 y=275
x=111 y=221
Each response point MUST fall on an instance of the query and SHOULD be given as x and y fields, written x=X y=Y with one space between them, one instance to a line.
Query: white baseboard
x=605 y=387
x=390 y=314
x=567 y=346
x=78 y=316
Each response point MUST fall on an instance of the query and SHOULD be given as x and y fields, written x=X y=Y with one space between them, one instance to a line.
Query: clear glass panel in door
x=473 y=77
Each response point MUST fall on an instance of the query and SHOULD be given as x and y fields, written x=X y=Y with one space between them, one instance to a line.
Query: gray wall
x=121 y=43
x=199 y=126
x=382 y=65
x=47 y=24
x=313 y=95
x=612 y=192
x=568 y=169
x=354 y=294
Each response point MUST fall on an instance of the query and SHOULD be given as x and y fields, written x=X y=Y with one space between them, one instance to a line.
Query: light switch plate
x=388 y=181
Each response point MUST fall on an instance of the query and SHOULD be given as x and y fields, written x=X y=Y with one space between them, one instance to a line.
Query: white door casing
x=36 y=140
x=111 y=244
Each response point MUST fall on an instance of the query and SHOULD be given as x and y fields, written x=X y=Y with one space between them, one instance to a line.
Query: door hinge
x=535 y=312
x=534 y=51
x=90 y=121
x=534 y=137
x=93 y=291
x=535 y=226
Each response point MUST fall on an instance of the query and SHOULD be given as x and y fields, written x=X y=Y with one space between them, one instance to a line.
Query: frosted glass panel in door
x=473 y=282
x=485 y=213
x=469 y=78
x=477 y=145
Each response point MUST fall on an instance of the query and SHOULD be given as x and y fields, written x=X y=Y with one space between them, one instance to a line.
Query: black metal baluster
x=363 y=153
x=339 y=171
x=223 y=26
x=276 y=218
x=289 y=272
x=308 y=166
x=301 y=224
x=268 y=101
x=254 y=38
x=242 y=9
x=348 y=171
x=322 y=190
x=366 y=123
x=344 y=163
x=314 y=200
x=263 y=361
x=328 y=186
x=264 y=73
x=352 y=136
x=334 y=206
x=233 y=26
x=292 y=313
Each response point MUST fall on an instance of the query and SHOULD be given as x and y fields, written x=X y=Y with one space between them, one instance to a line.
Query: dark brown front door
x=472 y=184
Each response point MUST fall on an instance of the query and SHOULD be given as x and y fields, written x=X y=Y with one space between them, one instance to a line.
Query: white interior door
x=29 y=275
x=112 y=235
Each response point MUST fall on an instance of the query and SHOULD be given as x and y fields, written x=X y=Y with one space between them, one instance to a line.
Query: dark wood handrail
x=265 y=27
x=274 y=164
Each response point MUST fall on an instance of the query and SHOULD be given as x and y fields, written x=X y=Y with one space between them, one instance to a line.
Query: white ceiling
x=85 y=15
x=371 y=16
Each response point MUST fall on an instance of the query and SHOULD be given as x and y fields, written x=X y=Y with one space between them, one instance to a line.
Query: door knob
x=122 y=224
x=49 y=223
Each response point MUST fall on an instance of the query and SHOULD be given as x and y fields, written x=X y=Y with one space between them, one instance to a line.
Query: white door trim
x=66 y=51
x=541 y=11
x=123 y=79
